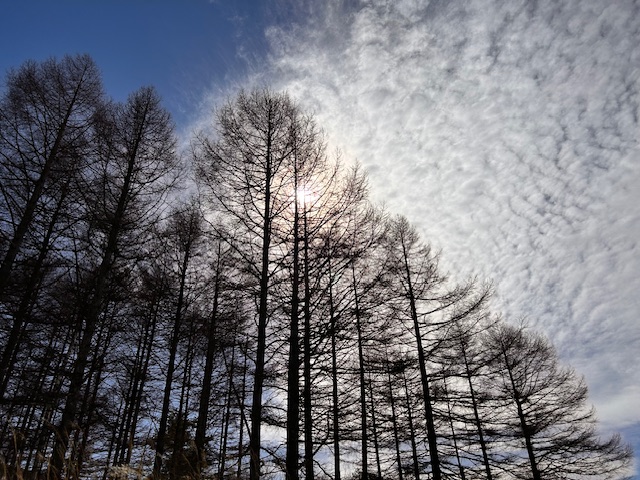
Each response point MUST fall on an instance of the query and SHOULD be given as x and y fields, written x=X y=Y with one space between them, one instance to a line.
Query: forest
x=241 y=309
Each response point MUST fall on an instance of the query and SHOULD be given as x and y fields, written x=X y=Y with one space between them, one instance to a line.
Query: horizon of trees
x=243 y=310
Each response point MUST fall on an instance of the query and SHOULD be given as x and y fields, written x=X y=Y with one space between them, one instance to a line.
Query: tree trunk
x=361 y=372
x=334 y=380
x=293 y=374
x=476 y=415
x=258 y=381
x=374 y=429
x=394 y=420
x=412 y=434
x=454 y=437
x=173 y=348
x=205 y=394
x=308 y=405
x=526 y=434
x=431 y=431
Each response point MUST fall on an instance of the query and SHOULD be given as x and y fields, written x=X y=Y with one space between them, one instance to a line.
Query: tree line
x=266 y=321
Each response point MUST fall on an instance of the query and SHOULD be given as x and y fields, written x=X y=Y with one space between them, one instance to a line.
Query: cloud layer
x=508 y=133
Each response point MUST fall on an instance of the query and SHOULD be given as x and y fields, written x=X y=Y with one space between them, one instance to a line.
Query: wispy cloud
x=508 y=132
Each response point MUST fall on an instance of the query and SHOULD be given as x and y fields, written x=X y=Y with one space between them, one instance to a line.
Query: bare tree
x=546 y=412
x=419 y=280
x=132 y=175
x=184 y=233
x=117 y=312
x=247 y=173
x=46 y=121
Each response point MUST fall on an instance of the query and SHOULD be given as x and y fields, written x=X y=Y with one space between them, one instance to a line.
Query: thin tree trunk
x=180 y=434
x=394 y=421
x=374 y=429
x=476 y=416
x=453 y=430
x=121 y=431
x=173 y=348
x=243 y=395
x=258 y=382
x=361 y=371
x=308 y=414
x=43 y=430
x=205 y=395
x=535 y=473
x=431 y=431
x=293 y=381
x=412 y=434
x=227 y=414
x=88 y=409
x=132 y=423
x=334 y=380
x=113 y=441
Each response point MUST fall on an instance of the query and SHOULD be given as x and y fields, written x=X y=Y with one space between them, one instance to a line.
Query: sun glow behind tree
x=306 y=196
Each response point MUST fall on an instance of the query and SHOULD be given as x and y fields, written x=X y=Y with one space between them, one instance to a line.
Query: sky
x=507 y=132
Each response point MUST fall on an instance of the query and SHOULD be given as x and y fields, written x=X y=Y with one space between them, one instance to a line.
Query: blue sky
x=182 y=48
x=507 y=132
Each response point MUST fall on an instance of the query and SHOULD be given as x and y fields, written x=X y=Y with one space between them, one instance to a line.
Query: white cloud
x=508 y=132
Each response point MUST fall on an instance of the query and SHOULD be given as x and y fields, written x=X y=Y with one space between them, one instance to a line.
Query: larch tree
x=466 y=363
x=213 y=326
x=184 y=234
x=46 y=117
x=47 y=124
x=546 y=420
x=134 y=171
x=332 y=205
x=418 y=279
x=246 y=171
x=283 y=303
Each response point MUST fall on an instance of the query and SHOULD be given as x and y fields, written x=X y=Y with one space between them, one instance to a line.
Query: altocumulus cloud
x=507 y=131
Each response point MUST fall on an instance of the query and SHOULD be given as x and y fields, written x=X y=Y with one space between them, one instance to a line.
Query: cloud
x=508 y=133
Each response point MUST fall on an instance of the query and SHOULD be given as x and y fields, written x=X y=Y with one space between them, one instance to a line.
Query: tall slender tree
x=184 y=233
x=46 y=122
x=134 y=172
x=246 y=172
x=419 y=279
x=546 y=411
x=135 y=343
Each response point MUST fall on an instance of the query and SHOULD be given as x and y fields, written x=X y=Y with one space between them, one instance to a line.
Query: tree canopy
x=267 y=321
